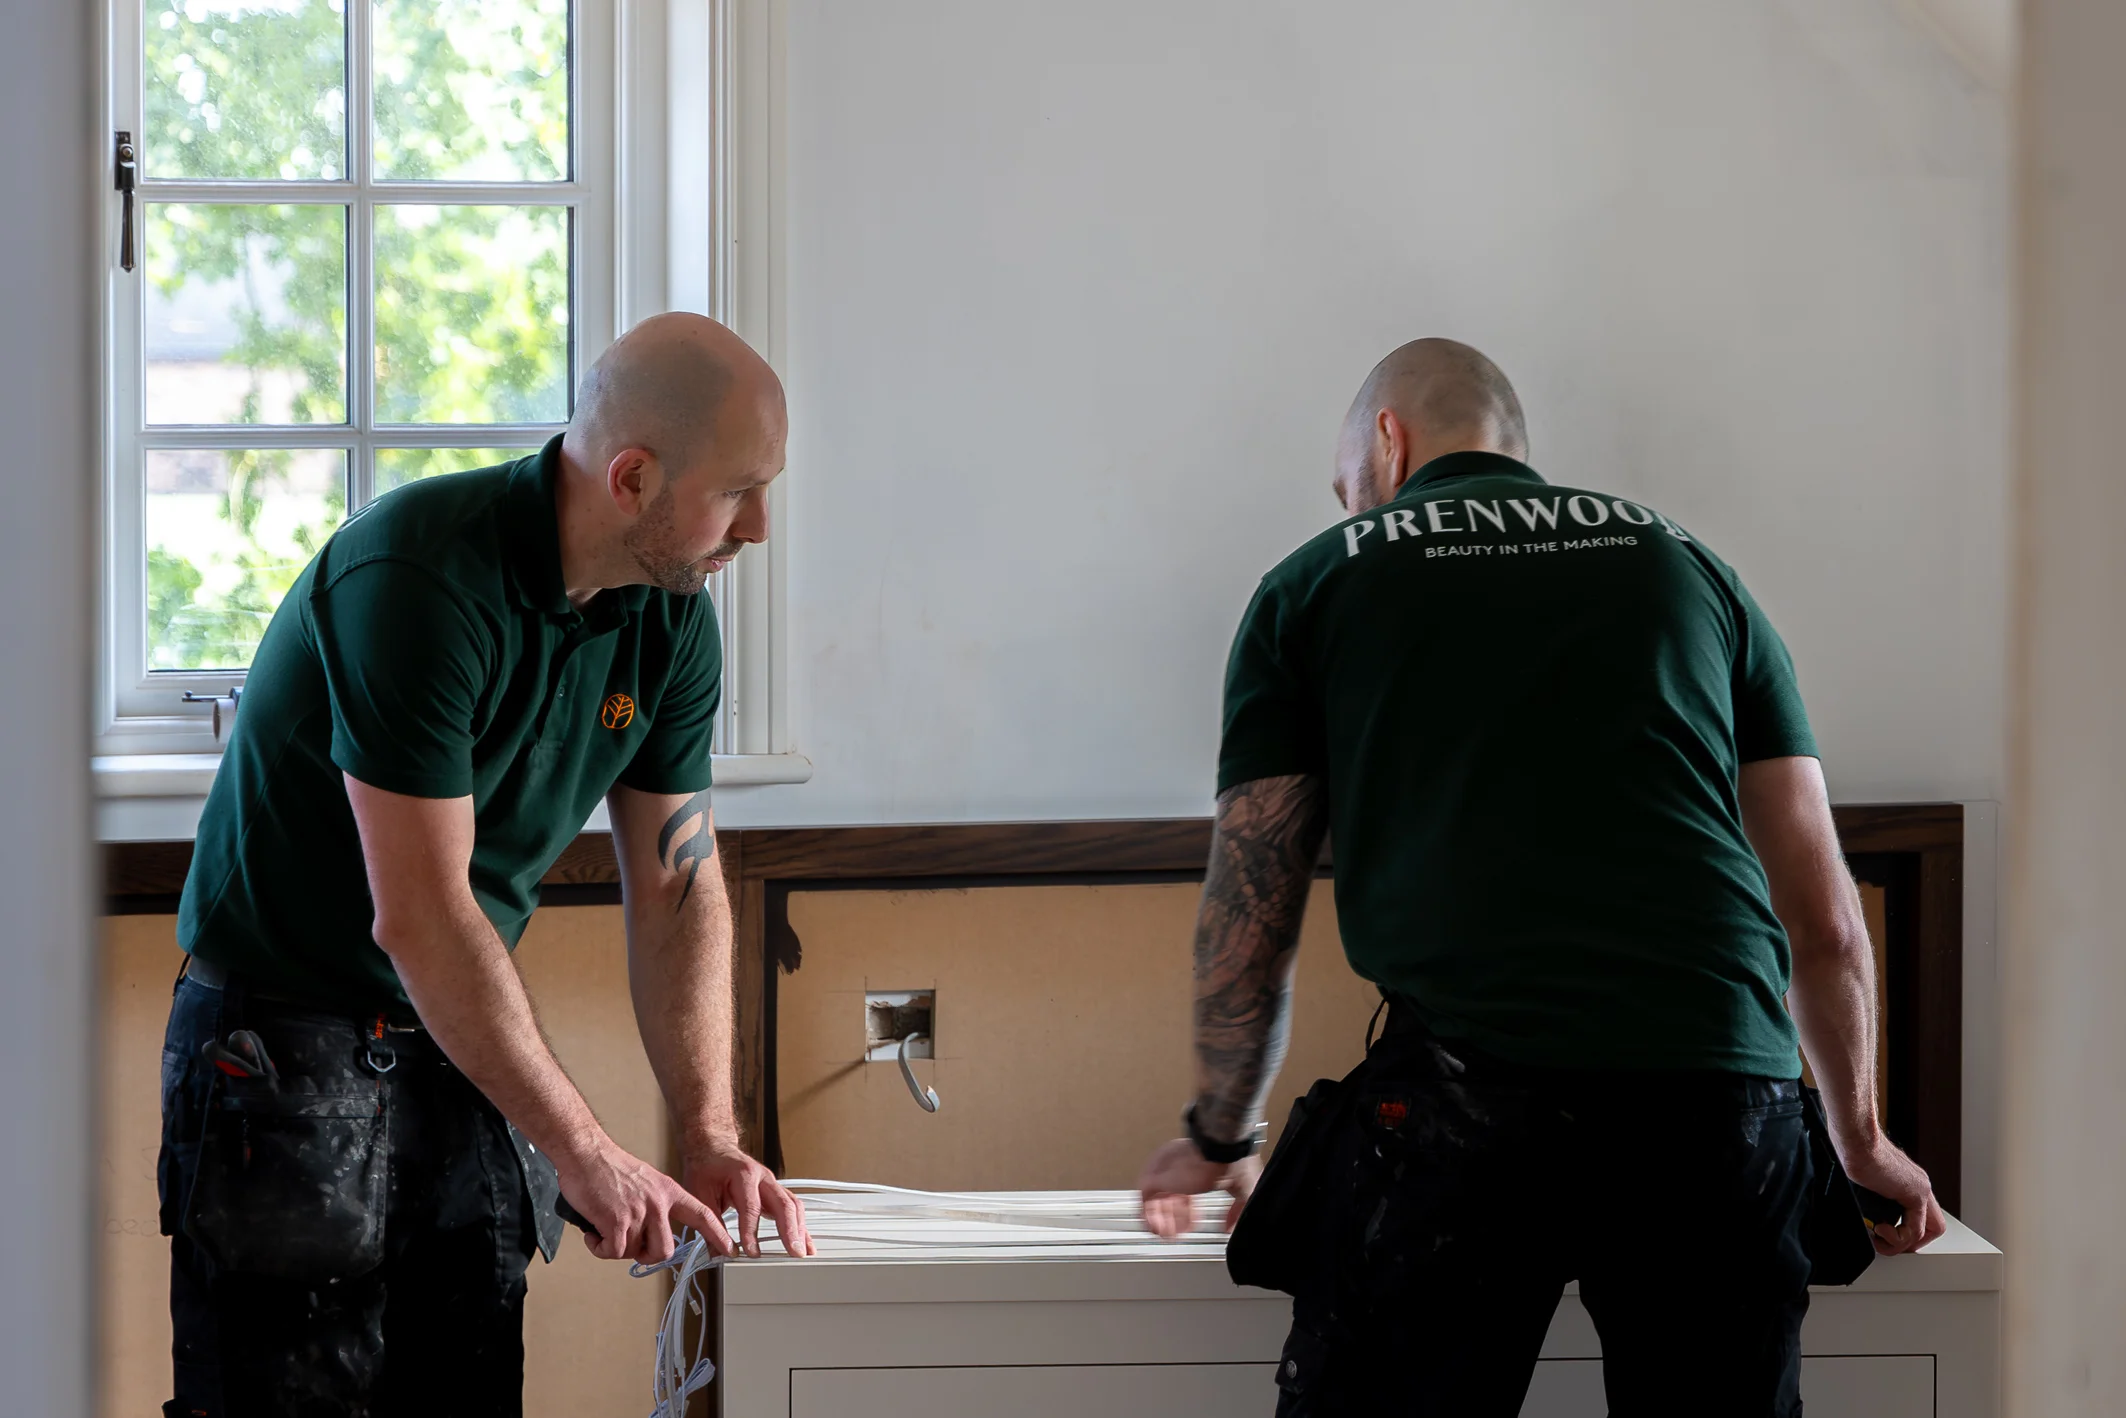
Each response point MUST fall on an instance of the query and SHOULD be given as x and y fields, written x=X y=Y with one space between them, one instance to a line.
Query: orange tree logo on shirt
x=618 y=713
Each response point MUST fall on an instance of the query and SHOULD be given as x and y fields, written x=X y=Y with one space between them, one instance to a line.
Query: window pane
x=472 y=321
x=471 y=90
x=396 y=467
x=247 y=314
x=245 y=89
x=228 y=532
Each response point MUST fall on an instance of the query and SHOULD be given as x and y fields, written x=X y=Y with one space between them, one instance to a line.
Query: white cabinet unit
x=990 y=1311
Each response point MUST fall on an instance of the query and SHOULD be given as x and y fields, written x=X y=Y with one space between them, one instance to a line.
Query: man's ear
x=631 y=480
x=1391 y=441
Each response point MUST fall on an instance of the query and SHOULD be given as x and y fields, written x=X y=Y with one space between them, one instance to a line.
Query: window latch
x=233 y=698
x=123 y=170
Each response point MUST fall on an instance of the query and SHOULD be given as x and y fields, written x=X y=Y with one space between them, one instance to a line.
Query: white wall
x=52 y=167
x=1077 y=294
x=2064 y=955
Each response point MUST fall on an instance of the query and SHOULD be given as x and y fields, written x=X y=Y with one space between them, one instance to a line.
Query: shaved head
x=678 y=430
x=1427 y=398
x=669 y=386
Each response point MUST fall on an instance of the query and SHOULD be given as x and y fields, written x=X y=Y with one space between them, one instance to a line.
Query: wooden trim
x=981 y=849
x=1935 y=1019
x=157 y=869
x=1915 y=850
x=144 y=869
x=1904 y=827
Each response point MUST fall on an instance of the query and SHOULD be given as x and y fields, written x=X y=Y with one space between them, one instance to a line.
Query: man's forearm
x=1833 y=1002
x=1263 y=851
x=471 y=999
x=679 y=972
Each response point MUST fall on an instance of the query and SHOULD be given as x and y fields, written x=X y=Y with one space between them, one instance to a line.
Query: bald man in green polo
x=1584 y=848
x=365 y=1134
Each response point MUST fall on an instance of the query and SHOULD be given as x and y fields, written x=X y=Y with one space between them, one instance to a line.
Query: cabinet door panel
x=1036 y=1391
x=1846 y=1386
x=1861 y=1386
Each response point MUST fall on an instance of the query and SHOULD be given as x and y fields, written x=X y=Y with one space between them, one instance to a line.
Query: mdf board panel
x=1034 y=1391
x=1062 y=1031
x=589 y=1328
x=140 y=959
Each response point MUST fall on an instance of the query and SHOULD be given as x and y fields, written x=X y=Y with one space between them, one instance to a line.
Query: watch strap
x=1224 y=1153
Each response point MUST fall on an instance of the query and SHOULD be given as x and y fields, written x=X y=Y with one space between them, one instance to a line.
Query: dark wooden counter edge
x=155 y=871
x=761 y=866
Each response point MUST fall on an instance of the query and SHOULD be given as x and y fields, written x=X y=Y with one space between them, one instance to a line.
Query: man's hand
x=634 y=1209
x=1883 y=1168
x=1176 y=1174
x=726 y=1178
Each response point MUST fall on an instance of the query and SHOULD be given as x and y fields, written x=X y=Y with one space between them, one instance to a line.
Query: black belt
x=214 y=977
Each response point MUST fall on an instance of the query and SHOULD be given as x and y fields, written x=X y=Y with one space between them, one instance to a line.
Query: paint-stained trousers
x=1469 y=1192
x=350 y=1235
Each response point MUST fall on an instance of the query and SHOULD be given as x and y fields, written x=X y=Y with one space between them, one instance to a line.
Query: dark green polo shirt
x=429 y=649
x=1530 y=704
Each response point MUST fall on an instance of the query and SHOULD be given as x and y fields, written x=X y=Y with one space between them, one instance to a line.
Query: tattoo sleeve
x=688 y=853
x=1263 y=850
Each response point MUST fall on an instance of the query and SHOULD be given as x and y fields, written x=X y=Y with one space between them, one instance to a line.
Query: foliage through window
x=360 y=266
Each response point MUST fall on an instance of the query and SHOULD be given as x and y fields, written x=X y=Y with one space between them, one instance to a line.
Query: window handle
x=234 y=699
x=124 y=166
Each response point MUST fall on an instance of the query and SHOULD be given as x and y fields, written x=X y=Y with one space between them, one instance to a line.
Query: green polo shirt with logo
x=1530 y=704
x=429 y=649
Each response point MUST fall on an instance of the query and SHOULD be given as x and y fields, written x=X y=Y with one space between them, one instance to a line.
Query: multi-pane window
x=373 y=244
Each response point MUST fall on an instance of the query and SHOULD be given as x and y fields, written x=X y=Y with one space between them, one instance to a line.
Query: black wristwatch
x=1223 y=1153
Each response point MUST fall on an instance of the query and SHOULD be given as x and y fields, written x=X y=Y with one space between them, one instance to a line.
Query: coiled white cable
x=675 y=1378
x=1097 y=1219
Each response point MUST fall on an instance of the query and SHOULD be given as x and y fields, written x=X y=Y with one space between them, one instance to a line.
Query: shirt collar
x=1468 y=463
x=532 y=536
x=532 y=531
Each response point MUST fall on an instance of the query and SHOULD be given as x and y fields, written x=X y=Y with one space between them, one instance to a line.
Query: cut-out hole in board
x=891 y=1016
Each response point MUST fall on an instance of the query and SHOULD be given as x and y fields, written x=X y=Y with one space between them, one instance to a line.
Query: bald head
x=1439 y=396
x=678 y=431
x=675 y=386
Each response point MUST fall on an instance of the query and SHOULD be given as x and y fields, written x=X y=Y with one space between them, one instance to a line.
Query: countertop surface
x=900 y=1247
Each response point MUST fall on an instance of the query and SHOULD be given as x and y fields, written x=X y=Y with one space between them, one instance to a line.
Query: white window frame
x=676 y=185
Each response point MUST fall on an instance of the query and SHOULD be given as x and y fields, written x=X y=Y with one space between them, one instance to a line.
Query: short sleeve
x=674 y=756
x=1273 y=725
x=1770 y=721
x=405 y=663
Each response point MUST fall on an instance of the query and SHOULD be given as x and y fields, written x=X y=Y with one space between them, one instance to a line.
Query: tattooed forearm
x=688 y=854
x=1263 y=852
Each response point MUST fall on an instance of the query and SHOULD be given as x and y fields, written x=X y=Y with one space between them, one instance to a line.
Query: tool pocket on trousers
x=291 y=1185
x=1427 y=1170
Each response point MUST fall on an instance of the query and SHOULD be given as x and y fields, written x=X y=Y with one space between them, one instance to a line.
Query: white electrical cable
x=674 y=1378
x=1097 y=1221
x=1114 y=1219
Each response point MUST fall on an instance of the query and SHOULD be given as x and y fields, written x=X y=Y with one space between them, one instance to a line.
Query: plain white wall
x=2064 y=956
x=1078 y=293
x=53 y=167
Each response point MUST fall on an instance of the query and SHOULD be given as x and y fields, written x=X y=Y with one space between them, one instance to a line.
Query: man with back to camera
x=362 y=1125
x=1578 y=819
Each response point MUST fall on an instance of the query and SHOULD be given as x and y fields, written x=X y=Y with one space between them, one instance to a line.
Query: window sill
x=158 y=796
x=189 y=775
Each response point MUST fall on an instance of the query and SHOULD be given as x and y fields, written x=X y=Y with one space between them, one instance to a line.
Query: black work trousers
x=348 y=1238
x=1465 y=1193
